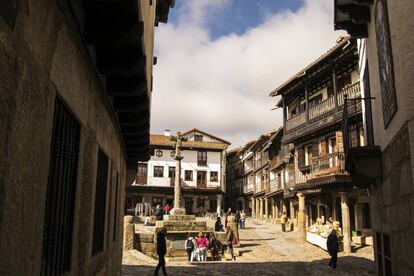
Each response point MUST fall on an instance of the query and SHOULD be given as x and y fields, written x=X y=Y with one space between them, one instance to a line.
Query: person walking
x=332 y=244
x=161 y=251
x=242 y=219
x=189 y=247
x=283 y=220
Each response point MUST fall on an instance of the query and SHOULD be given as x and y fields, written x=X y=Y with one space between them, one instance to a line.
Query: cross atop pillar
x=178 y=209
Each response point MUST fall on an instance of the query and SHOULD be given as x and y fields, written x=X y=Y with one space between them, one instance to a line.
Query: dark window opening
x=100 y=203
x=156 y=201
x=201 y=179
x=213 y=176
x=202 y=158
x=171 y=172
x=158 y=171
x=200 y=203
x=198 y=137
x=188 y=175
x=61 y=191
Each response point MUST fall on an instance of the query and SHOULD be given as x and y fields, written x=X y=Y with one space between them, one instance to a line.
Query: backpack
x=189 y=245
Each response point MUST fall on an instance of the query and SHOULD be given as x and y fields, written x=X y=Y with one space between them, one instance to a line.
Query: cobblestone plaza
x=264 y=250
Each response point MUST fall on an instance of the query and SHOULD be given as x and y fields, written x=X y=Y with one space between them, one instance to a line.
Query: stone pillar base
x=177 y=211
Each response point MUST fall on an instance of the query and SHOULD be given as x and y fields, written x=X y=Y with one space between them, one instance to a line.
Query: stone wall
x=392 y=202
x=41 y=58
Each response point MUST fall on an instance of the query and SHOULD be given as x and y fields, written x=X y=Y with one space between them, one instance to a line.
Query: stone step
x=180 y=217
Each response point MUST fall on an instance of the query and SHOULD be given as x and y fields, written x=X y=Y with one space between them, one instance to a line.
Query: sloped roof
x=162 y=140
x=205 y=133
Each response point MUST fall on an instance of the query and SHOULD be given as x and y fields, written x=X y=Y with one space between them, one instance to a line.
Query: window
x=188 y=175
x=213 y=205
x=200 y=203
x=315 y=100
x=61 y=190
x=344 y=82
x=158 y=171
x=202 y=158
x=213 y=176
x=142 y=170
x=198 y=137
x=171 y=172
x=156 y=201
x=100 y=203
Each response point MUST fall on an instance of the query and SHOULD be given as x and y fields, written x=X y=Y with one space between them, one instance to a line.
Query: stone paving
x=265 y=250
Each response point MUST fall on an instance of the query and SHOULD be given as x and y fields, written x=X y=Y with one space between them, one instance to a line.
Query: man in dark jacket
x=159 y=213
x=161 y=251
x=333 y=247
x=218 y=227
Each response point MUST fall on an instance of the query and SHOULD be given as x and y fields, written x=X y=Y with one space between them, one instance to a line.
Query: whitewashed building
x=202 y=173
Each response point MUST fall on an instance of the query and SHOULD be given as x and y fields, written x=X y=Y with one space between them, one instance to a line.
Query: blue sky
x=239 y=15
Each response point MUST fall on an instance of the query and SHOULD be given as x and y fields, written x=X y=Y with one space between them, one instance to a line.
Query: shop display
x=318 y=233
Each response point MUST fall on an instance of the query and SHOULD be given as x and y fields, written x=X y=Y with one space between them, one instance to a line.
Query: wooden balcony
x=324 y=114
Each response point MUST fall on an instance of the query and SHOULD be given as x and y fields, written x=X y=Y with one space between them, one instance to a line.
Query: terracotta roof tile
x=162 y=140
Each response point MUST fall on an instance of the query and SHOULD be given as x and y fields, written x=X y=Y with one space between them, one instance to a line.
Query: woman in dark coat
x=333 y=247
x=161 y=251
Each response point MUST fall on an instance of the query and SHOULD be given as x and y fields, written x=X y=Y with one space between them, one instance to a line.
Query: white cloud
x=222 y=85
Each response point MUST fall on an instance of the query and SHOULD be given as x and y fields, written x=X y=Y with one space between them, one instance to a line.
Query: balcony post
x=302 y=216
x=335 y=86
x=346 y=229
x=306 y=103
x=284 y=114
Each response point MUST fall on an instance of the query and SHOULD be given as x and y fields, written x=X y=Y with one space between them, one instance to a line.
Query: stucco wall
x=188 y=163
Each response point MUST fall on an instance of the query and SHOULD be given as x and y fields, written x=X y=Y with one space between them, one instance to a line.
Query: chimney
x=167 y=132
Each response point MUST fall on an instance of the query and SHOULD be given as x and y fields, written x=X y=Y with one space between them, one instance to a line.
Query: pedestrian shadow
x=241 y=252
x=347 y=266
x=242 y=245
x=266 y=239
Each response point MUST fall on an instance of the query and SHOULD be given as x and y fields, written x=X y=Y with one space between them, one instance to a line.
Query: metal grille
x=60 y=196
x=100 y=203
x=116 y=209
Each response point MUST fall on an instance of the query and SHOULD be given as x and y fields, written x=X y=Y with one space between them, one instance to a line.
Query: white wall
x=188 y=163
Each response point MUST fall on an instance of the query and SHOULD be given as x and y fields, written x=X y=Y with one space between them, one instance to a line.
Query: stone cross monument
x=178 y=209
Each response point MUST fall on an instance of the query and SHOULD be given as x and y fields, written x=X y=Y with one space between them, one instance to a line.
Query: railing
x=201 y=163
x=333 y=163
x=274 y=162
x=296 y=121
x=275 y=185
x=353 y=91
x=322 y=108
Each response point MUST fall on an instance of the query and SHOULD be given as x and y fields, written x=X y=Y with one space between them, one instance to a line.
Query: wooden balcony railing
x=322 y=108
x=353 y=91
x=333 y=163
x=296 y=121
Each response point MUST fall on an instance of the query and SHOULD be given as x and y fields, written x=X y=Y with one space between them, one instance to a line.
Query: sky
x=218 y=60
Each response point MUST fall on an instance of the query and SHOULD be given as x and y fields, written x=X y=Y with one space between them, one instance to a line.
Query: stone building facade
x=66 y=69
x=202 y=173
x=386 y=70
